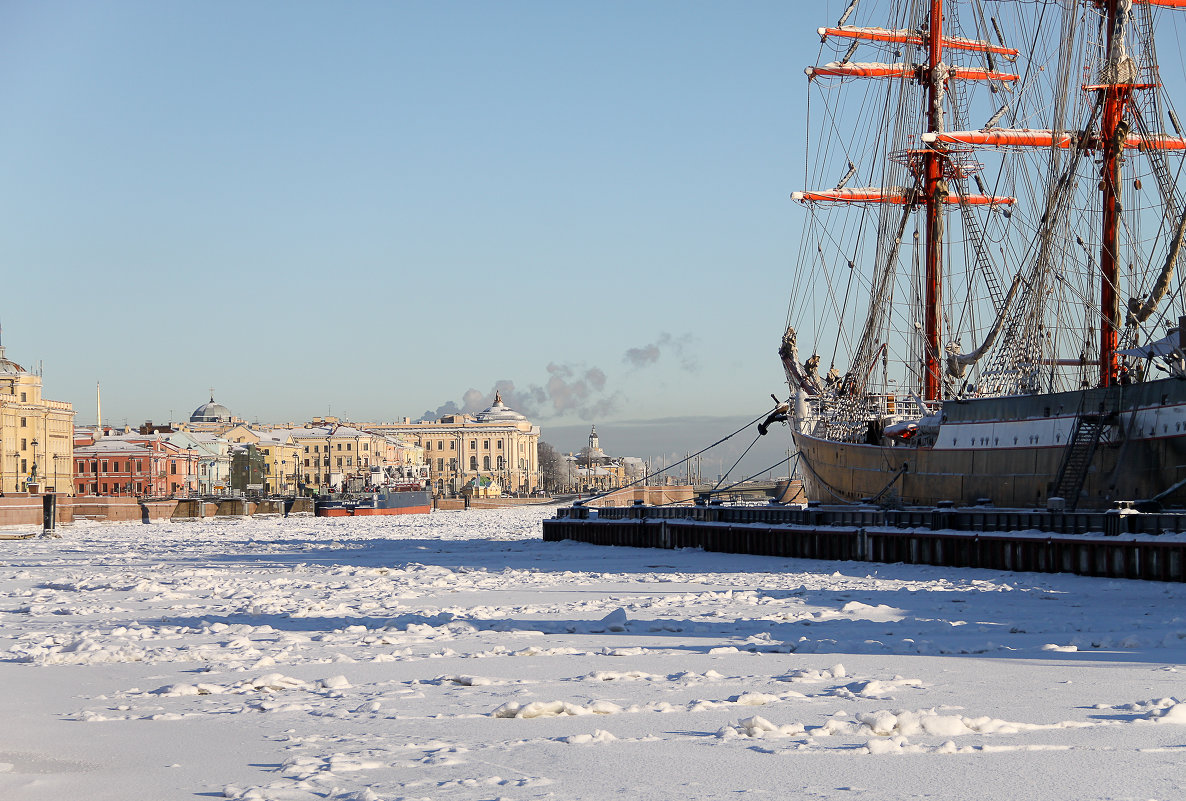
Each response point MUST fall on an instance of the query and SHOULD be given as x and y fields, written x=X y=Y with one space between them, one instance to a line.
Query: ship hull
x=1010 y=451
x=408 y=502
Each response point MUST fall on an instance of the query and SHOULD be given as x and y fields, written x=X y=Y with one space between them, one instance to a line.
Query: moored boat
x=390 y=491
x=385 y=502
x=1022 y=237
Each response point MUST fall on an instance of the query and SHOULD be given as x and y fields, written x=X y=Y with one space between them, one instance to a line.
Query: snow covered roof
x=498 y=412
x=111 y=445
x=8 y=366
x=318 y=432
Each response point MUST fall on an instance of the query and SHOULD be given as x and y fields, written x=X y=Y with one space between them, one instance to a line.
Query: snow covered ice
x=458 y=656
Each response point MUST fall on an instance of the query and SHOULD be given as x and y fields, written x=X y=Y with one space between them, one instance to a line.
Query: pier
x=1117 y=543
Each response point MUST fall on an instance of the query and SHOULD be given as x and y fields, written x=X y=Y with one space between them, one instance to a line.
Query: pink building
x=140 y=466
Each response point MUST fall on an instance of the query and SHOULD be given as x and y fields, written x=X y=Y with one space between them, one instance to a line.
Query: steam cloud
x=569 y=390
x=649 y=354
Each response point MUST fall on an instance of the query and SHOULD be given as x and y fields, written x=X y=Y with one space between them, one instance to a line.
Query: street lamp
x=33 y=472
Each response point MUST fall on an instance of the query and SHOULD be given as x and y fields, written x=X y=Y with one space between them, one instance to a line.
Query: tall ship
x=988 y=304
x=387 y=491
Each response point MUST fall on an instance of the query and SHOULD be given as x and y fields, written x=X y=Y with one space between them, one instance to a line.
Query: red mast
x=1117 y=88
x=933 y=163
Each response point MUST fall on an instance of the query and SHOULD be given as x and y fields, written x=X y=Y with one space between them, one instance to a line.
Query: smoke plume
x=679 y=348
x=570 y=390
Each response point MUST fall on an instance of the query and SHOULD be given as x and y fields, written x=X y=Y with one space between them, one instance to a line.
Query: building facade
x=135 y=465
x=593 y=470
x=497 y=443
x=36 y=434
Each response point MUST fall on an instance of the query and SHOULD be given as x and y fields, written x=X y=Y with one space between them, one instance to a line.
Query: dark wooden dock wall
x=1085 y=555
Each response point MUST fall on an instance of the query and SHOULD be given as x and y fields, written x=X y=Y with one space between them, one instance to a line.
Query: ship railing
x=854 y=410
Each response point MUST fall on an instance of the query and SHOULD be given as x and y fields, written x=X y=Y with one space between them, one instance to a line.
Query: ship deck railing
x=840 y=411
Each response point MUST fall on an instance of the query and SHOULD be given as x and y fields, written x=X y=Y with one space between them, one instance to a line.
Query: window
x=115 y=467
x=347 y=446
x=139 y=466
x=452 y=445
x=473 y=463
x=306 y=461
x=82 y=467
x=349 y=461
x=485 y=462
x=104 y=488
x=440 y=444
x=306 y=451
x=22 y=422
x=139 y=488
x=473 y=444
x=485 y=444
x=316 y=449
x=173 y=468
x=440 y=465
x=94 y=489
x=366 y=446
x=104 y=468
x=339 y=461
x=500 y=444
x=22 y=401
x=339 y=446
x=24 y=466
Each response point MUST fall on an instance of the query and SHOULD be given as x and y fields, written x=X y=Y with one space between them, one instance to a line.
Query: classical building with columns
x=497 y=443
x=36 y=435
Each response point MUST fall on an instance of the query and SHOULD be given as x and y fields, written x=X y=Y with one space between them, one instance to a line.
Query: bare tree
x=549 y=466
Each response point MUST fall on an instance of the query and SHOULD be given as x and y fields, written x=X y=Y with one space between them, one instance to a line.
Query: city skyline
x=385 y=210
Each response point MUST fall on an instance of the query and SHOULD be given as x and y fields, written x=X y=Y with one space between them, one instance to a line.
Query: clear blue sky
x=373 y=207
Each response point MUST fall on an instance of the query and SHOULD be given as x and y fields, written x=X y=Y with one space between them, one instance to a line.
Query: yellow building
x=281 y=453
x=281 y=462
x=497 y=443
x=325 y=453
x=36 y=435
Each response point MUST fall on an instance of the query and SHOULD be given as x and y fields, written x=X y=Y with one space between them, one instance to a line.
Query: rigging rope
x=734 y=467
x=757 y=419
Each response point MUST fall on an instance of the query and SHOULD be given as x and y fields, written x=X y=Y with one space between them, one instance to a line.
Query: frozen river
x=457 y=656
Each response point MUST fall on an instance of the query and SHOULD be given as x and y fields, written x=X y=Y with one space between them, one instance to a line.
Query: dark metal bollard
x=49 y=512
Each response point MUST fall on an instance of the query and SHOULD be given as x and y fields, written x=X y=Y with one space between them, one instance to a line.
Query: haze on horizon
x=382 y=210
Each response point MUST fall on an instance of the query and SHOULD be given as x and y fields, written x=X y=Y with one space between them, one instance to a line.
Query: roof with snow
x=498 y=412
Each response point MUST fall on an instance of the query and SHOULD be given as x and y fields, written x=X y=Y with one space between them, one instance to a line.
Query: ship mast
x=935 y=188
x=1117 y=88
x=929 y=165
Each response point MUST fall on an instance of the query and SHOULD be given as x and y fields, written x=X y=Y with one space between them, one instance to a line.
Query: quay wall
x=23 y=510
x=459 y=504
x=1084 y=549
